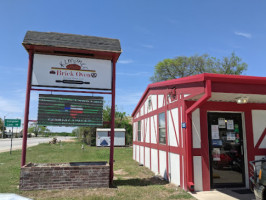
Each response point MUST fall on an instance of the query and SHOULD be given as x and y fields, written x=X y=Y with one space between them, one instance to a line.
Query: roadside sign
x=12 y=122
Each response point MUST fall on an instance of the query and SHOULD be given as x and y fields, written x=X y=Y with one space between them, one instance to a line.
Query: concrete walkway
x=222 y=194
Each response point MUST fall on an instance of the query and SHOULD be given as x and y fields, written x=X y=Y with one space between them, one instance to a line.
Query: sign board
x=12 y=122
x=67 y=110
x=71 y=72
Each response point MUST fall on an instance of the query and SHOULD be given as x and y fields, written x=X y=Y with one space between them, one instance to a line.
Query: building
x=201 y=131
x=103 y=137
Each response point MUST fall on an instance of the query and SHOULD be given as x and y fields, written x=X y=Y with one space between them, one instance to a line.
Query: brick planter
x=64 y=176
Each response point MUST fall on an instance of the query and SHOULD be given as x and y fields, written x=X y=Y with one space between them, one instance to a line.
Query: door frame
x=245 y=157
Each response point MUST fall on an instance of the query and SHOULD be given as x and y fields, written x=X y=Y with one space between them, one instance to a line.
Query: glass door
x=226 y=149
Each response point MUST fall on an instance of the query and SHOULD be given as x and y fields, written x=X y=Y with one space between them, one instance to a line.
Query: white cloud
x=133 y=74
x=246 y=35
x=148 y=46
x=10 y=106
x=125 y=61
x=129 y=98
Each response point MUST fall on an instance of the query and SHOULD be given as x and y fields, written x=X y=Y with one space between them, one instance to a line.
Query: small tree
x=88 y=134
x=36 y=129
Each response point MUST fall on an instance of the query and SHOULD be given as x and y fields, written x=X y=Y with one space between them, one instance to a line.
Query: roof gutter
x=189 y=158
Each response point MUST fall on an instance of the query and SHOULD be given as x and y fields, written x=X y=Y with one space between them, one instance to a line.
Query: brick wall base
x=64 y=176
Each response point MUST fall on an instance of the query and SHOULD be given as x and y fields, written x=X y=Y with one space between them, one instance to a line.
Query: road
x=17 y=142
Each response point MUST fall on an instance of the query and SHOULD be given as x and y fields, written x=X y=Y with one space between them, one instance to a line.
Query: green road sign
x=12 y=122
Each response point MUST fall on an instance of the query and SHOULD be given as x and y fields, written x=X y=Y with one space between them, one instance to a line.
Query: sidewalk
x=223 y=194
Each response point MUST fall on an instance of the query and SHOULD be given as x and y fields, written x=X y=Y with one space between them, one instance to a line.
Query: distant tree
x=1 y=125
x=36 y=129
x=183 y=66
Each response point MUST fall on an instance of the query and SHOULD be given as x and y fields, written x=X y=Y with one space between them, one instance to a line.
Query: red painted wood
x=26 y=113
x=206 y=184
x=260 y=139
x=111 y=161
x=166 y=137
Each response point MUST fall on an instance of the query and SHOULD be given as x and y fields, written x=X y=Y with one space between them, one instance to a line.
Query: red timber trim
x=150 y=138
x=226 y=107
x=166 y=135
x=161 y=147
x=260 y=140
x=180 y=140
x=189 y=145
x=158 y=151
x=204 y=151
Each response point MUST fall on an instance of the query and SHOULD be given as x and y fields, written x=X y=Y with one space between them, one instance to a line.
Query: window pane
x=162 y=138
x=162 y=120
x=139 y=130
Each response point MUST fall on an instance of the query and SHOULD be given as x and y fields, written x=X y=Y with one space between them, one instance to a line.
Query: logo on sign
x=71 y=71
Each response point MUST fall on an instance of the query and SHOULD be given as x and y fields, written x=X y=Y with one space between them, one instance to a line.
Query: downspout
x=189 y=160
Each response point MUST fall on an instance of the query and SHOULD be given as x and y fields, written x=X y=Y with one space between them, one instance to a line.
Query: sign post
x=12 y=123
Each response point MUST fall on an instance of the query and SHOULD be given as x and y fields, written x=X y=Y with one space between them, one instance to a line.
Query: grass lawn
x=131 y=180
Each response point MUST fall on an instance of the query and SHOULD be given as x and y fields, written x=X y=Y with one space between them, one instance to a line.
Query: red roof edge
x=202 y=77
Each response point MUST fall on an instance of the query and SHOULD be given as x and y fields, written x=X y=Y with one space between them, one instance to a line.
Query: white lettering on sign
x=71 y=72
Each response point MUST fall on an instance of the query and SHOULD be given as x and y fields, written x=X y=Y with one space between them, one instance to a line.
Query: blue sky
x=149 y=31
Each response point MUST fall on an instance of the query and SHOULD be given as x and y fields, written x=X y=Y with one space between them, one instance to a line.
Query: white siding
x=174 y=168
x=160 y=101
x=147 y=157
x=147 y=127
x=142 y=130
x=134 y=154
x=197 y=173
x=162 y=157
x=141 y=149
x=196 y=134
x=154 y=160
x=172 y=122
x=259 y=125
x=154 y=102
x=137 y=153
x=154 y=129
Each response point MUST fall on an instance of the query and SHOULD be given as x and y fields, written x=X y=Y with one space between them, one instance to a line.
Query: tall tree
x=183 y=66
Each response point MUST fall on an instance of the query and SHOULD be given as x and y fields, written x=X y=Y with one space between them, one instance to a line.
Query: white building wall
x=162 y=157
x=147 y=130
x=154 y=129
x=154 y=160
x=174 y=168
x=154 y=102
x=196 y=134
x=137 y=153
x=141 y=160
x=147 y=157
x=259 y=125
x=197 y=173
x=134 y=154
x=160 y=101
x=172 y=122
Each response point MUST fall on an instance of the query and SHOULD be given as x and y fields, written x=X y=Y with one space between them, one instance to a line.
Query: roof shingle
x=71 y=41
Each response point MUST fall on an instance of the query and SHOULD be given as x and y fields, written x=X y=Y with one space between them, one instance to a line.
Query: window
x=139 y=130
x=162 y=135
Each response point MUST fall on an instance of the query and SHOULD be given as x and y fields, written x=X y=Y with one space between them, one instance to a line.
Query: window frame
x=162 y=128
x=139 y=131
